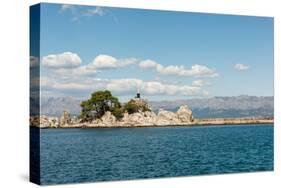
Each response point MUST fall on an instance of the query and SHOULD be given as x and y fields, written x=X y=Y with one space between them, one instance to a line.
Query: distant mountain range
x=238 y=106
x=54 y=106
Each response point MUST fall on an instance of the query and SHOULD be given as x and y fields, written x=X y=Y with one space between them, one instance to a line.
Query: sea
x=110 y=154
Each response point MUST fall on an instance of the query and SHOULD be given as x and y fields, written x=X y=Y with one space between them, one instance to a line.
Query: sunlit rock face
x=147 y=118
x=167 y=118
x=142 y=103
x=138 y=119
x=44 y=122
x=65 y=119
x=108 y=119
x=184 y=114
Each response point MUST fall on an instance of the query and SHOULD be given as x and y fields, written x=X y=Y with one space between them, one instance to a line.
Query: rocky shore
x=183 y=117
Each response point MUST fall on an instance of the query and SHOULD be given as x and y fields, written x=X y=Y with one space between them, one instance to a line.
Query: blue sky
x=167 y=55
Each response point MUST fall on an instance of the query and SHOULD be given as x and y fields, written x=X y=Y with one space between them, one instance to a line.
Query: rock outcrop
x=140 y=119
x=166 y=117
x=147 y=118
x=108 y=119
x=52 y=122
x=46 y=122
x=184 y=114
x=65 y=119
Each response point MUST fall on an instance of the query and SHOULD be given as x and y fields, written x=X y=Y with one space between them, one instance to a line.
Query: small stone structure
x=65 y=119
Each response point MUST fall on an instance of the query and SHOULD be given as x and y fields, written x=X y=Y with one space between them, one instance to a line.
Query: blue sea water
x=87 y=155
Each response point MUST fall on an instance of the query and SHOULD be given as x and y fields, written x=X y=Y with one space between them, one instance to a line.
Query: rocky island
x=103 y=110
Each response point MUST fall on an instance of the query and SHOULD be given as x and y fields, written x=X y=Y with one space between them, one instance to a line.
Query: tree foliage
x=131 y=107
x=134 y=106
x=98 y=104
x=103 y=101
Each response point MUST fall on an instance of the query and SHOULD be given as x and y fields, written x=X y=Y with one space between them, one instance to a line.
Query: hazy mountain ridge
x=55 y=106
x=238 y=106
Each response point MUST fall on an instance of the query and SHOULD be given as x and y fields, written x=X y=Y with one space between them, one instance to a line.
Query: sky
x=167 y=55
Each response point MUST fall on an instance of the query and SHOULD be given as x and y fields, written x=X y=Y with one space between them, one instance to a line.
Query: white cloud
x=65 y=7
x=108 y=62
x=63 y=60
x=198 y=83
x=70 y=75
x=71 y=60
x=104 y=62
x=84 y=70
x=196 y=70
x=94 y=11
x=121 y=86
x=77 y=12
x=240 y=67
x=69 y=64
x=147 y=64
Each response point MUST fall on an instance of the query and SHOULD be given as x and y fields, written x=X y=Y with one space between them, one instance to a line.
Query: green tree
x=131 y=107
x=134 y=106
x=98 y=104
x=117 y=112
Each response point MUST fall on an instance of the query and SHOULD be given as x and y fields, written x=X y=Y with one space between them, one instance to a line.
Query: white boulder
x=65 y=119
x=184 y=114
x=108 y=119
